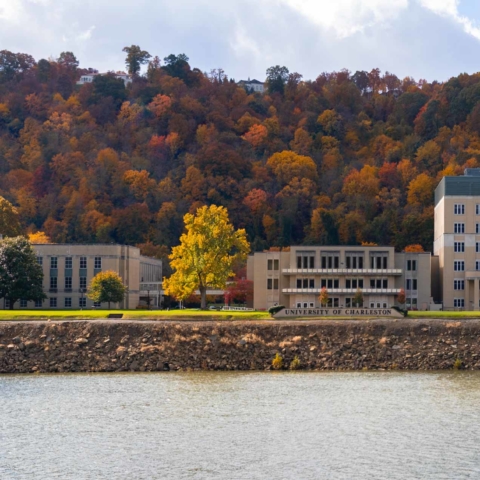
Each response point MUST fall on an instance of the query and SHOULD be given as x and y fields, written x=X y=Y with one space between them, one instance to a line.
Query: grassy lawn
x=137 y=314
x=444 y=314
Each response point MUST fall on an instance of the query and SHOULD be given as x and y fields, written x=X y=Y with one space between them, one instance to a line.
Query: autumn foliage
x=346 y=158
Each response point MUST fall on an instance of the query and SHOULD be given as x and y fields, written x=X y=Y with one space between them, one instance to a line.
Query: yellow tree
x=9 y=222
x=207 y=251
x=38 y=237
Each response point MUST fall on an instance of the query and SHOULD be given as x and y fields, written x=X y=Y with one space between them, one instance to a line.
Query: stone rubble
x=103 y=346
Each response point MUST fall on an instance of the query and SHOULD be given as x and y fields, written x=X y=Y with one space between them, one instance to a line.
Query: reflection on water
x=241 y=426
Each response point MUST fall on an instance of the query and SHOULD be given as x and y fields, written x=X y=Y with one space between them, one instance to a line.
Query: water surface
x=241 y=426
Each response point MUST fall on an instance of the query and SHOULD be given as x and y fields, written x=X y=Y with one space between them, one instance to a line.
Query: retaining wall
x=111 y=346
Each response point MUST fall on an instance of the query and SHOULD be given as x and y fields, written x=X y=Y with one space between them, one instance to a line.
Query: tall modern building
x=69 y=268
x=457 y=239
x=296 y=277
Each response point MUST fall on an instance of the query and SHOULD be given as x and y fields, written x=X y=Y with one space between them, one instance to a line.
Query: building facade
x=295 y=278
x=68 y=270
x=457 y=240
x=89 y=77
x=252 y=85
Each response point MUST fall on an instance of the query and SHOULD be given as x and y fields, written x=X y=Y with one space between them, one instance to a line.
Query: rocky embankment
x=117 y=346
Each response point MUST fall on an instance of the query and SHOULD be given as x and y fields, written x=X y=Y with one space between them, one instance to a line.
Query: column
x=475 y=294
x=467 y=295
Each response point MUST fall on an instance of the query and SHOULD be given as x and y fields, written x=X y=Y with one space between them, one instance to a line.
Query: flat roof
x=466 y=186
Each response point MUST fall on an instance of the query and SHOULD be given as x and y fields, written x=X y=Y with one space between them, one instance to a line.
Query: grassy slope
x=138 y=314
x=188 y=314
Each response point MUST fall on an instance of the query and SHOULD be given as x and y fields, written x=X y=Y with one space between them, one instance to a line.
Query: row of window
x=53 y=303
x=335 y=303
x=460 y=228
x=459 y=265
x=97 y=263
x=459 y=209
x=350 y=283
x=306 y=260
x=68 y=283
x=459 y=247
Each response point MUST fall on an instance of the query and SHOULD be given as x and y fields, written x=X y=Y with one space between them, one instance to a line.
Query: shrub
x=295 y=364
x=273 y=310
x=458 y=364
x=277 y=362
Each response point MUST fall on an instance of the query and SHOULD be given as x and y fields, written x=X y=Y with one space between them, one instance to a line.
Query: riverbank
x=119 y=345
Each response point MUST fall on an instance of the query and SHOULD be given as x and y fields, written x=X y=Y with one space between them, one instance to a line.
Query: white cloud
x=347 y=17
x=449 y=8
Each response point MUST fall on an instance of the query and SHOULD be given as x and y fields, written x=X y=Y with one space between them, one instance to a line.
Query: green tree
x=68 y=60
x=277 y=77
x=207 y=252
x=21 y=277
x=9 y=221
x=107 y=287
x=358 y=298
x=136 y=57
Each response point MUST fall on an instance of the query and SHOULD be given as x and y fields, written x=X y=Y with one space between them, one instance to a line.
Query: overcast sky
x=431 y=39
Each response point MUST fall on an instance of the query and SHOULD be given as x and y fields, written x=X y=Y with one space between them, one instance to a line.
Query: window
x=272 y=264
x=97 y=304
x=459 y=265
x=83 y=262
x=83 y=282
x=68 y=262
x=459 y=247
x=409 y=284
x=477 y=266
x=53 y=302
x=459 y=284
x=459 y=302
x=411 y=265
x=477 y=228
x=477 y=209
x=82 y=302
x=275 y=283
x=354 y=261
x=7 y=303
x=414 y=284
x=68 y=283
x=379 y=261
x=384 y=283
x=53 y=283
x=68 y=302
x=40 y=260
x=23 y=303
x=53 y=262
x=38 y=304
x=477 y=247
x=269 y=283
x=330 y=260
x=459 y=228
x=459 y=209
x=305 y=260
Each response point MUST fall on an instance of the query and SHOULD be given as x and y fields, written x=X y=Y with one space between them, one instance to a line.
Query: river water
x=241 y=426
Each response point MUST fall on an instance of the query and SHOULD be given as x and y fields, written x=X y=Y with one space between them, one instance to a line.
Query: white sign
x=338 y=312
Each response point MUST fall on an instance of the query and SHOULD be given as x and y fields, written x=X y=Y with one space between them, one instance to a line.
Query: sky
x=429 y=39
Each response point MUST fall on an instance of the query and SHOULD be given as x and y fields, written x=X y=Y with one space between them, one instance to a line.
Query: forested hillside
x=344 y=159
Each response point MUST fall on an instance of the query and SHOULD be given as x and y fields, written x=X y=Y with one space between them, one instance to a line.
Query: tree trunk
x=12 y=302
x=203 y=296
x=109 y=305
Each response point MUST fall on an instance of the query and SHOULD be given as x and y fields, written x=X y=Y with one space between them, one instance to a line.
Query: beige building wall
x=295 y=278
x=453 y=246
x=68 y=270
